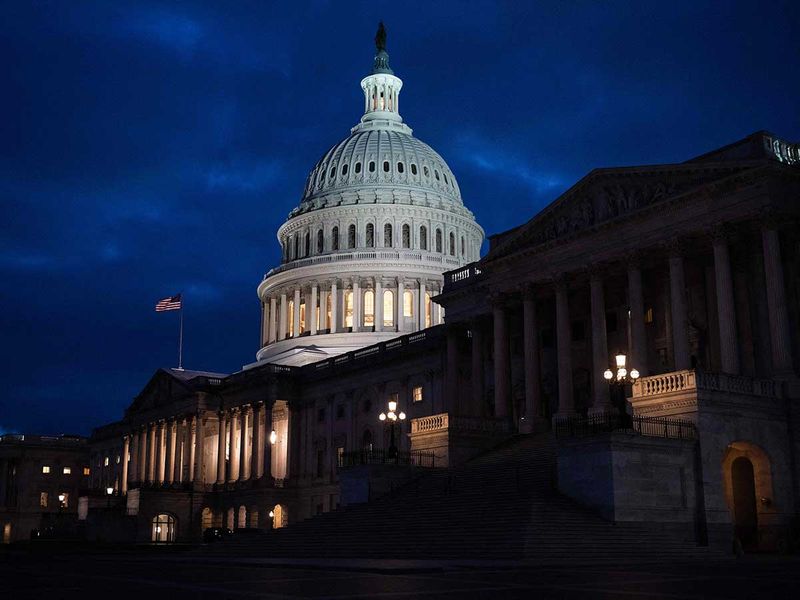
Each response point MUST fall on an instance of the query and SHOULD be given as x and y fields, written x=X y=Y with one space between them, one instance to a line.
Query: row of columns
x=242 y=449
x=726 y=311
x=276 y=315
x=164 y=452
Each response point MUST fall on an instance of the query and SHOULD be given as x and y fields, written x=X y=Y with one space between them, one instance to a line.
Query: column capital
x=596 y=270
x=720 y=233
x=559 y=281
x=675 y=247
x=633 y=259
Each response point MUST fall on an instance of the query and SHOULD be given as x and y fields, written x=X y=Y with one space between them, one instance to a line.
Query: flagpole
x=180 y=340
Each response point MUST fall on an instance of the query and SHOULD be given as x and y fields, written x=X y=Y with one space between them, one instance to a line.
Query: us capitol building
x=625 y=359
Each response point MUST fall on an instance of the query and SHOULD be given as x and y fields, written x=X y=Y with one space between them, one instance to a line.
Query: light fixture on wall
x=273 y=437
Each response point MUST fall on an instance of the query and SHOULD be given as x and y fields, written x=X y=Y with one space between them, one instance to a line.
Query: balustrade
x=679 y=381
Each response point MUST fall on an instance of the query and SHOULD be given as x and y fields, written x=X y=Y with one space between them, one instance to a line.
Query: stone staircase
x=500 y=505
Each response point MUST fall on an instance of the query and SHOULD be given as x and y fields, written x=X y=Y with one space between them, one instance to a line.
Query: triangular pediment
x=162 y=389
x=608 y=194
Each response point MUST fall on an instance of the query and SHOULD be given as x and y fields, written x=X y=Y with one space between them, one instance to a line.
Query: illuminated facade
x=380 y=220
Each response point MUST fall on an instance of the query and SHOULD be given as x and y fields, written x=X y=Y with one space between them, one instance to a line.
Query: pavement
x=146 y=576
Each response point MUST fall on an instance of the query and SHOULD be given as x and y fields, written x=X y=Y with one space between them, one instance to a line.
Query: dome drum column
x=311 y=310
x=399 y=306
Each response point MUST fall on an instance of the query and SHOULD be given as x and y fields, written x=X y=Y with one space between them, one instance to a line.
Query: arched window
x=452 y=244
x=320 y=241
x=406 y=236
x=278 y=516
x=408 y=303
x=372 y=166
x=348 y=308
x=307 y=244
x=386 y=166
x=425 y=171
x=438 y=240
x=285 y=249
x=423 y=238
x=370 y=235
x=302 y=317
x=358 y=168
x=335 y=238
x=351 y=236
x=290 y=318
x=333 y=172
x=241 y=521
x=413 y=169
x=428 y=310
x=163 y=528
x=344 y=169
x=463 y=247
x=207 y=518
x=400 y=167
x=388 y=308
x=369 y=308
x=387 y=235
x=443 y=173
x=327 y=324
x=436 y=173
x=296 y=246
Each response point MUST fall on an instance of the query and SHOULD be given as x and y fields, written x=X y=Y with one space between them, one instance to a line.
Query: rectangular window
x=46 y=469
x=416 y=393
x=105 y=462
x=118 y=458
x=67 y=471
x=43 y=497
x=87 y=471
x=348 y=308
x=290 y=318
x=63 y=497
x=369 y=308
x=648 y=315
x=302 y=317
x=408 y=304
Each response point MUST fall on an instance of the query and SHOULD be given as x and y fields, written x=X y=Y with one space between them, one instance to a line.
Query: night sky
x=150 y=148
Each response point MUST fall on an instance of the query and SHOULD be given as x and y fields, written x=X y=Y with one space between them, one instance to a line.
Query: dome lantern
x=381 y=87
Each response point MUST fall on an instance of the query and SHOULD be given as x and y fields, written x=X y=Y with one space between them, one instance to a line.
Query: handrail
x=414 y=458
x=595 y=424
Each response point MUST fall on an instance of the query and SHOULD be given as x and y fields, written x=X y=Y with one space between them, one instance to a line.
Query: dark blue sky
x=148 y=148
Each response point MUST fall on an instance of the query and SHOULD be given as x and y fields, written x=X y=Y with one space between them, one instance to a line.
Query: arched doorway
x=253 y=514
x=277 y=516
x=163 y=528
x=745 y=510
x=229 y=521
x=241 y=522
x=207 y=518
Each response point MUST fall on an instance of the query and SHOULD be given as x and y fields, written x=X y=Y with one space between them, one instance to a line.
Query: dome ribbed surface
x=375 y=159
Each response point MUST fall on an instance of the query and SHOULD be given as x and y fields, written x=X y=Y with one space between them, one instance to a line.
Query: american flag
x=171 y=303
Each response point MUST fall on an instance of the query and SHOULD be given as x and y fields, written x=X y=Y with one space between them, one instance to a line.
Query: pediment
x=607 y=194
x=162 y=389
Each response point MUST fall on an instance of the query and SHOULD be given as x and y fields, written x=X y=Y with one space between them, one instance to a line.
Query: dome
x=382 y=165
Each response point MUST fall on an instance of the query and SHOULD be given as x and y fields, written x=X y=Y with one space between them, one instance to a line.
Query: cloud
x=241 y=176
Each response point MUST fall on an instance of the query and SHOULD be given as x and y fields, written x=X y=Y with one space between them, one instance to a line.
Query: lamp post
x=618 y=379
x=109 y=493
x=392 y=416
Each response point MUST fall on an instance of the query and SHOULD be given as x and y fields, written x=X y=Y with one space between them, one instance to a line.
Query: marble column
x=161 y=450
x=638 y=353
x=451 y=372
x=126 y=446
x=283 y=322
x=234 y=434
x=195 y=448
x=356 y=305
x=178 y=468
x=172 y=439
x=477 y=368
x=334 y=308
x=264 y=323
x=776 y=301
x=680 y=319
x=322 y=322
x=273 y=320
x=144 y=470
x=726 y=311
x=400 y=306
x=533 y=400
x=257 y=453
x=221 y=446
x=244 y=419
x=600 y=358
x=502 y=367
x=296 y=314
x=152 y=473
x=566 y=404
x=267 y=444
x=199 y=450
x=312 y=311
x=421 y=311
x=378 y=313
x=134 y=469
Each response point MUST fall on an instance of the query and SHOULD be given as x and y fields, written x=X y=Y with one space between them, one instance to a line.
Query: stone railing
x=462 y=276
x=679 y=381
x=447 y=422
x=377 y=254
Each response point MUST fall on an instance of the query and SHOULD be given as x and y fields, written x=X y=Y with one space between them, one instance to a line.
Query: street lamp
x=392 y=416
x=109 y=493
x=618 y=379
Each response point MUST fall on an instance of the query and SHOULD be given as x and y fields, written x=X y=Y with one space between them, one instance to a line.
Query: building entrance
x=745 y=512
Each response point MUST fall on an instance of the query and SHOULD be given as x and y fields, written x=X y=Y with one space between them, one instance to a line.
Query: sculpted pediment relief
x=604 y=196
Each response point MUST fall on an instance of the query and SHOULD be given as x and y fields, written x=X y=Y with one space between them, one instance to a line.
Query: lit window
x=302 y=317
x=63 y=497
x=43 y=497
x=428 y=310
x=416 y=393
x=648 y=315
x=163 y=528
x=290 y=318
x=408 y=304
x=328 y=312
x=87 y=471
x=369 y=308
x=118 y=458
x=388 y=308
x=348 y=308
x=67 y=471
x=46 y=469
x=105 y=462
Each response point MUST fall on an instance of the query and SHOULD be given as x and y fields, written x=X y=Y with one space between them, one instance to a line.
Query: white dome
x=391 y=163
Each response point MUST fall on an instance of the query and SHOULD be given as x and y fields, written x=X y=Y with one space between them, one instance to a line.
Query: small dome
x=374 y=164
